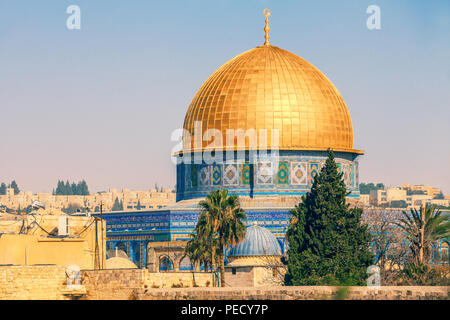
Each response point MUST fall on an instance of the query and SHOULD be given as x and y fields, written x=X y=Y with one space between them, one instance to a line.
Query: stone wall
x=120 y=284
x=178 y=279
x=116 y=284
x=242 y=277
x=297 y=293
x=49 y=282
x=32 y=282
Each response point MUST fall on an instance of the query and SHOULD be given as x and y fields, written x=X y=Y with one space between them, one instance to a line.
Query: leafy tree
x=15 y=187
x=203 y=247
x=440 y=195
x=366 y=188
x=328 y=244
x=398 y=204
x=72 y=208
x=424 y=275
x=83 y=188
x=379 y=186
x=222 y=215
x=118 y=205
x=423 y=228
x=80 y=188
x=389 y=245
x=74 y=189
x=139 y=207
x=3 y=189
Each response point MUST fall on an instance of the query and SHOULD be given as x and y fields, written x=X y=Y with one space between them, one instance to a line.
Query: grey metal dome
x=258 y=242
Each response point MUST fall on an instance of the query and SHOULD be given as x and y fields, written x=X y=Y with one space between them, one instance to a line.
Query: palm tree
x=222 y=216
x=423 y=228
x=200 y=248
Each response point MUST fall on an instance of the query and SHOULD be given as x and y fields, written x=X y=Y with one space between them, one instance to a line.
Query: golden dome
x=271 y=88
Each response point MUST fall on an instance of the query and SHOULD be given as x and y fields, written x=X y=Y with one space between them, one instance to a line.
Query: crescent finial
x=267 y=28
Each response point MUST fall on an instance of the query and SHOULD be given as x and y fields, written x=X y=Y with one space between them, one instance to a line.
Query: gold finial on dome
x=267 y=28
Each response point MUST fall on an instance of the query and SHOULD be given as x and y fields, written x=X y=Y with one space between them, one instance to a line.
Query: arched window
x=444 y=253
x=165 y=264
x=137 y=253
x=123 y=247
x=186 y=264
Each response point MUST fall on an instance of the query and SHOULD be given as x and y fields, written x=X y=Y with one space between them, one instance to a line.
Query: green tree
x=440 y=195
x=398 y=204
x=423 y=228
x=328 y=245
x=74 y=189
x=59 y=188
x=221 y=214
x=202 y=248
x=3 y=189
x=138 y=206
x=366 y=188
x=67 y=188
x=83 y=188
x=117 y=205
x=15 y=187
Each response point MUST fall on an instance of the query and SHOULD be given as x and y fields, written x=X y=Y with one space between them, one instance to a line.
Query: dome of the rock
x=275 y=115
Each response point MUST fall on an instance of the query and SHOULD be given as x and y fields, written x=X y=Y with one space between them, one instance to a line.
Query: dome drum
x=283 y=173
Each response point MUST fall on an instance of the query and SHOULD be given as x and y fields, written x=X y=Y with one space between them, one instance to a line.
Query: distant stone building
x=387 y=196
x=132 y=200
x=428 y=190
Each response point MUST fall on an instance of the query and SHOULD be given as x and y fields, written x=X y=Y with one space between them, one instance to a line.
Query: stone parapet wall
x=179 y=279
x=32 y=282
x=120 y=284
x=117 y=284
x=49 y=283
x=297 y=293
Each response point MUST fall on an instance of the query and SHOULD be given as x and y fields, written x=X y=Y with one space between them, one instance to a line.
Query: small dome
x=258 y=242
x=119 y=263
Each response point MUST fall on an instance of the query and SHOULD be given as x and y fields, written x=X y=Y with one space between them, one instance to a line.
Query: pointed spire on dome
x=267 y=28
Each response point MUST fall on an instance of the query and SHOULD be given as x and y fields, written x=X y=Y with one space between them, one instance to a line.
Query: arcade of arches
x=155 y=256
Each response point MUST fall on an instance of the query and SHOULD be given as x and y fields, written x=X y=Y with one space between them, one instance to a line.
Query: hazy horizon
x=100 y=103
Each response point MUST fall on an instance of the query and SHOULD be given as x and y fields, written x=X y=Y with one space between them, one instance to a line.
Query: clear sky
x=100 y=103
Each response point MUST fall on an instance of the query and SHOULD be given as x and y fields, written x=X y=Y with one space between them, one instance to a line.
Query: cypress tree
x=83 y=188
x=328 y=245
x=59 y=188
x=67 y=189
x=3 y=189
x=116 y=206
x=15 y=187
x=74 y=189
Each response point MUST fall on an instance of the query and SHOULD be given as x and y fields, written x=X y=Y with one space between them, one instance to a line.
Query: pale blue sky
x=100 y=103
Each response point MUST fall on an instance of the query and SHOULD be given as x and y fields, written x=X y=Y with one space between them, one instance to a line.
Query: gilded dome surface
x=273 y=89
